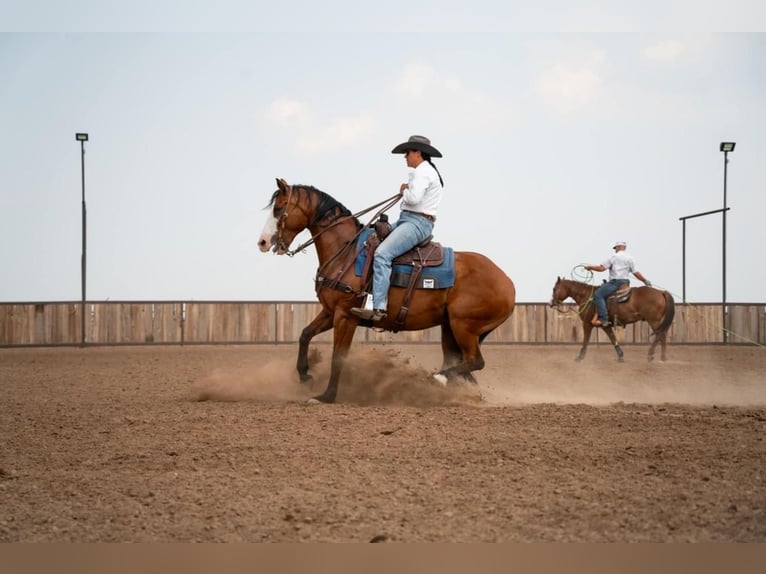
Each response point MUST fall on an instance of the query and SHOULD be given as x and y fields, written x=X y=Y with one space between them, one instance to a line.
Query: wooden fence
x=235 y=322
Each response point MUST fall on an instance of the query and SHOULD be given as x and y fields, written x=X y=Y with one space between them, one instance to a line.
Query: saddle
x=621 y=295
x=427 y=253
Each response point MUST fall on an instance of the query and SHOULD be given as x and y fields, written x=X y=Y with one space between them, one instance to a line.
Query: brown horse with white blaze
x=648 y=304
x=482 y=297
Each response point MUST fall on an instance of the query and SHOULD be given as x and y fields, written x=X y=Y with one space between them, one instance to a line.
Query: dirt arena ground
x=217 y=443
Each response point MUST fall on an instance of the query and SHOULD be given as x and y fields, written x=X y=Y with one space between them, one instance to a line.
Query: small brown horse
x=645 y=303
x=482 y=297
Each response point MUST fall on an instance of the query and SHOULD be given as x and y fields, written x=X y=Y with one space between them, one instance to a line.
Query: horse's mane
x=579 y=285
x=325 y=202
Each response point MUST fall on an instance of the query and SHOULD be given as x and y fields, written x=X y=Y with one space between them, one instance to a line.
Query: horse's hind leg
x=320 y=324
x=450 y=350
x=470 y=360
x=655 y=340
x=659 y=338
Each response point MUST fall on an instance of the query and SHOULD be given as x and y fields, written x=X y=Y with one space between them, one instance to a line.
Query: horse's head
x=298 y=207
x=291 y=213
x=560 y=292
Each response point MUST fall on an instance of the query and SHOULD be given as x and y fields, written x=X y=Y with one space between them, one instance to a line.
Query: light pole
x=82 y=138
x=725 y=147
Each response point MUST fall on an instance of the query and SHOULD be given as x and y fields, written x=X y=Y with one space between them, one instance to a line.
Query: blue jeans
x=603 y=292
x=410 y=230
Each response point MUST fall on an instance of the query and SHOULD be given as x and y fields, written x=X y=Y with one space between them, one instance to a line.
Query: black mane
x=326 y=204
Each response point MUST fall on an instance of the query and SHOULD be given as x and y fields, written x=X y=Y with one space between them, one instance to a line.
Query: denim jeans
x=603 y=292
x=410 y=230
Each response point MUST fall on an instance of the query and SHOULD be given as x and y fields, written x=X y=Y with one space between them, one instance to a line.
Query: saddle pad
x=438 y=277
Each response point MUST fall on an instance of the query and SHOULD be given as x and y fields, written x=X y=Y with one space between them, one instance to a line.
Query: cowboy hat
x=419 y=143
x=619 y=244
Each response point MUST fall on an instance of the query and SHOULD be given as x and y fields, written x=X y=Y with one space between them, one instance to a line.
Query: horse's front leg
x=320 y=324
x=610 y=333
x=343 y=334
x=587 y=327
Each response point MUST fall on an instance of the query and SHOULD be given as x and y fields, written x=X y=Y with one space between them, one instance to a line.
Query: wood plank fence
x=239 y=322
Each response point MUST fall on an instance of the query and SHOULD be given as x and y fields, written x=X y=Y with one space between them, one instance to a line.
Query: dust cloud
x=371 y=376
x=391 y=374
x=701 y=376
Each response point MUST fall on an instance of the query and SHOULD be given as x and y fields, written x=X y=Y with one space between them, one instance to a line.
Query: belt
x=431 y=218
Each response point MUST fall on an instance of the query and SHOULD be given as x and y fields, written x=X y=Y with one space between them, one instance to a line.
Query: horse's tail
x=670 y=312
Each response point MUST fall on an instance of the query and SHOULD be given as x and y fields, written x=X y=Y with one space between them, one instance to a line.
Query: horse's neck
x=580 y=292
x=330 y=244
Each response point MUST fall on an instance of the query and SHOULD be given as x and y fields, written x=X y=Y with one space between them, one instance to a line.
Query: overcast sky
x=556 y=141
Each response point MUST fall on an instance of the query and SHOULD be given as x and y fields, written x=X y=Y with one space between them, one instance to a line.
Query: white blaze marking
x=269 y=232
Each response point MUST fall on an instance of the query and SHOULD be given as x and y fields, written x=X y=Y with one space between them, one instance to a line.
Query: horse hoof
x=306 y=379
x=320 y=399
x=441 y=379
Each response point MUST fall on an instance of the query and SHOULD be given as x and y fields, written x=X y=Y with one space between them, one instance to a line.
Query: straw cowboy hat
x=619 y=244
x=419 y=143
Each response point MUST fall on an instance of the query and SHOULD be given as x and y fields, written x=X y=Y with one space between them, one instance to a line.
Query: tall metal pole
x=723 y=291
x=82 y=138
x=683 y=258
x=84 y=243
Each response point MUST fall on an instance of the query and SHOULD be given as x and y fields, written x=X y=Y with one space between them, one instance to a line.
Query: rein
x=387 y=203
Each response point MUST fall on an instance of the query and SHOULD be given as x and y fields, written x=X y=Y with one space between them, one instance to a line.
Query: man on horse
x=620 y=266
x=421 y=196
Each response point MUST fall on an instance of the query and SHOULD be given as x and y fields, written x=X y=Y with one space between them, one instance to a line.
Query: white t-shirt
x=424 y=193
x=620 y=265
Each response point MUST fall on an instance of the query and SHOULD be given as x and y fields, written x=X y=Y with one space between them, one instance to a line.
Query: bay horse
x=480 y=300
x=648 y=304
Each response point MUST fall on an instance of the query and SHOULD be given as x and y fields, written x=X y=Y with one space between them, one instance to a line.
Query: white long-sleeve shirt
x=424 y=191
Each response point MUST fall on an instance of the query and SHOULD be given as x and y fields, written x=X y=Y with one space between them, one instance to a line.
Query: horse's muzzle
x=271 y=244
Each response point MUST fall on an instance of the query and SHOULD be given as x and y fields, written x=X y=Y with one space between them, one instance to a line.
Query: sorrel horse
x=645 y=304
x=482 y=297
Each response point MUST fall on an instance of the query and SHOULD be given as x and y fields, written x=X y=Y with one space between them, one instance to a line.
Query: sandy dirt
x=218 y=443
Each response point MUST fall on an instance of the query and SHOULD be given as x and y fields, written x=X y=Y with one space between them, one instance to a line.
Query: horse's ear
x=282 y=184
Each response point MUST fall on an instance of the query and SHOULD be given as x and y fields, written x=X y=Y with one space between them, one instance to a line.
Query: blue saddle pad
x=438 y=277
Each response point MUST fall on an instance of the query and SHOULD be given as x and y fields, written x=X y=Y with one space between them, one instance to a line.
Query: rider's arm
x=596 y=268
x=640 y=277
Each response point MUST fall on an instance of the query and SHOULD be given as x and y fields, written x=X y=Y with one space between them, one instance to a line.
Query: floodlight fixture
x=84 y=137
x=727 y=146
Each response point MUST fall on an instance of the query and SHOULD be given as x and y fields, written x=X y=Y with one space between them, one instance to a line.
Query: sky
x=564 y=127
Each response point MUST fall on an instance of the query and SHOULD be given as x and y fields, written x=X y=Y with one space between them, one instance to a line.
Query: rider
x=620 y=266
x=421 y=196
